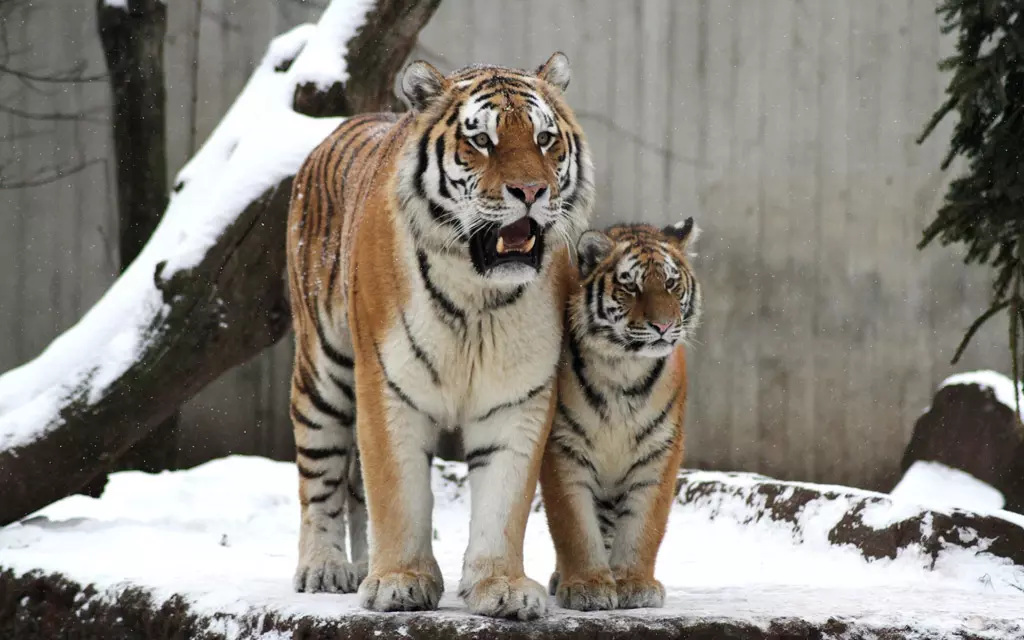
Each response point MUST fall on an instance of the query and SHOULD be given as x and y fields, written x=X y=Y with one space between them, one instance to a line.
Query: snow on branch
x=260 y=142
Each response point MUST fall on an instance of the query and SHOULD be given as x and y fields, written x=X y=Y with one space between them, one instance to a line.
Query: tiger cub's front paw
x=594 y=592
x=638 y=593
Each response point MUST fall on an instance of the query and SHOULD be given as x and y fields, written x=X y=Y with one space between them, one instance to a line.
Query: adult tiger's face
x=639 y=293
x=497 y=168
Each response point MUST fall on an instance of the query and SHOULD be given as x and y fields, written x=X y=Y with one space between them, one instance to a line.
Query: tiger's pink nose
x=663 y=327
x=528 y=193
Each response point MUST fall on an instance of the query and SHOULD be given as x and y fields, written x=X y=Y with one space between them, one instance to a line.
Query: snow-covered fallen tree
x=207 y=291
x=744 y=557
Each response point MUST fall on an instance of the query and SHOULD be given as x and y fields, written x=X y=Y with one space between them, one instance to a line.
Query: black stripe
x=574 y=426
x=316 y=453
x=606 y=521
x=641 y=485
x=577 y=457
x=440 y=299
x=334 y=514
x=336 y=356
x=642 y=388
x=352 y=493
x=650 y=428
x=393 y=385
x=343 y=386
x=481 y=457
x=509 y=80
x=581 y=179
x=322 y=497
x=504 y=299
x=442 y=215
x=420 y=354
x=651 y=457
x=599 y=309
x=532 y=393
x=442 y=187
x=305 y=420
x=334 y=483
x=306 y=473
x=323 y=406
x=593 y=396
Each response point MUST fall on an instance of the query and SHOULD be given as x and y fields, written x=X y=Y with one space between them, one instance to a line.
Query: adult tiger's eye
x=544 y=138
x=670 y=283
x=482 y=140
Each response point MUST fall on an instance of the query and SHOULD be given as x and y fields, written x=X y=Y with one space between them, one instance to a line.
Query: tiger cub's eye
x=482 y=140
x=544 y=138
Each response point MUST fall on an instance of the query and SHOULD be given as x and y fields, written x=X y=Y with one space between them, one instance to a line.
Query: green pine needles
x=984 y=207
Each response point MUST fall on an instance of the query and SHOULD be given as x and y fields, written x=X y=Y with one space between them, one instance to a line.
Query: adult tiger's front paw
x=411 y=590
x=635 y=593
x=596 y=592
x=505 y=597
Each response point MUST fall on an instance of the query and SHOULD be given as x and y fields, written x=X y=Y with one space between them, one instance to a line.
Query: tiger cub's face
x=639 y=294
x=500 y=169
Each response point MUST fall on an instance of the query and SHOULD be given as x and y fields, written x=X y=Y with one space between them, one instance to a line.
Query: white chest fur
x=459 y=350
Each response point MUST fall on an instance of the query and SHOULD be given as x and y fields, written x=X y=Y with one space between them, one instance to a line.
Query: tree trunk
x=133 y=43
x=215 y=315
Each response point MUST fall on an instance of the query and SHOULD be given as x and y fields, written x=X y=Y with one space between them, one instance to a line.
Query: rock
x=869 y=522
x=969 y=427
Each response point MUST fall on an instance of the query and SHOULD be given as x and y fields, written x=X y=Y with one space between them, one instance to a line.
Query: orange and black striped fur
x=611 y=462
x=427 y=262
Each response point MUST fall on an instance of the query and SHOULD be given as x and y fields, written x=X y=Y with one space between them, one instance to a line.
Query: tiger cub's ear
x=683 y=234
x=421 y=83
x=592 y=248
x=556 y=71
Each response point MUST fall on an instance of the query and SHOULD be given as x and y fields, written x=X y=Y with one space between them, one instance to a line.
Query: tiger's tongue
x=516 y=234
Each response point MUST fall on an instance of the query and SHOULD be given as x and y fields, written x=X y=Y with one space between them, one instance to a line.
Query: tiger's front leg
x=640 y=530
x=395 y=440
x=503 y=454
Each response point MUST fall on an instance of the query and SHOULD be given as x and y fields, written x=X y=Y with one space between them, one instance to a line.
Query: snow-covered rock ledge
x=208 y=553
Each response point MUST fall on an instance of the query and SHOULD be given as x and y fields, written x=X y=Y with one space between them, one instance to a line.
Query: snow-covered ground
x=224 y=536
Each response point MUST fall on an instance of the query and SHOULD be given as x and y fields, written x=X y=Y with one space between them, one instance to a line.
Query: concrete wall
x=785 y=127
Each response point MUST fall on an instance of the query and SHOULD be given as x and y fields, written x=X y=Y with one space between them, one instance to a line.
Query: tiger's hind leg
x=323 y=416
x=357 y=515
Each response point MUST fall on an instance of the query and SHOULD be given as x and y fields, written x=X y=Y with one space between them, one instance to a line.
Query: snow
x=324 y=63
x=224 y=536
x=939 y=487
x=1000 y=385
x=119 y=4
x=259 y=142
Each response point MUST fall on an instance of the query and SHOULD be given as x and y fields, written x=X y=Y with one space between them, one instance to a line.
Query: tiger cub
x=610 y=465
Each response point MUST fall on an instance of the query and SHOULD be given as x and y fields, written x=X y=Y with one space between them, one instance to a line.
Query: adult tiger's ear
x=592 y=248
x=556 y=71
x=421 y=84
x=683 y=234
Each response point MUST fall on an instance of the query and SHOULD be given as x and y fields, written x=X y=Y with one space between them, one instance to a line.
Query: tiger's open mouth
x=518 y=243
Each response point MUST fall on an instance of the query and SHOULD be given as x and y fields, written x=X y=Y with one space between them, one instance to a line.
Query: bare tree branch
x=49 y=176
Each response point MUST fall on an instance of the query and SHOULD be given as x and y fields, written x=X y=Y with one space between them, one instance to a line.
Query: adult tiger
x=426 y=260
x=610 y=468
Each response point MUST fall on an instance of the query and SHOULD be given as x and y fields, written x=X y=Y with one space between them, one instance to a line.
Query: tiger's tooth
x=528 y=247
x=501 y=245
